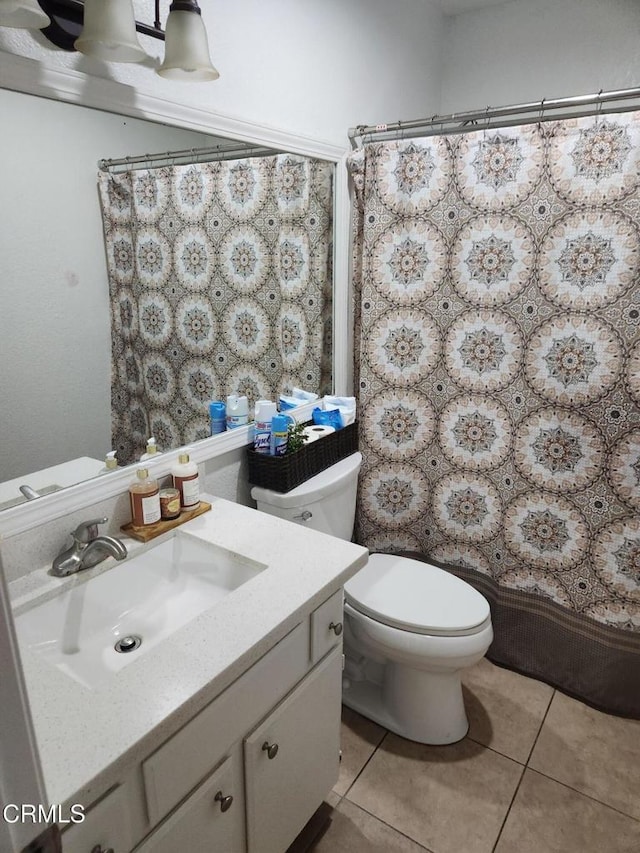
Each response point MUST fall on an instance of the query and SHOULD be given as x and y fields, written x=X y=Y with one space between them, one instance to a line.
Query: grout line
x=583 y=794
x=525 y=767
x=359 y=773
x=544 y=718
x=390 y=826
x=508 y=812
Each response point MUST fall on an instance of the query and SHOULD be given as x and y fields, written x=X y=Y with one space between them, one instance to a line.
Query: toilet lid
x=416 y=596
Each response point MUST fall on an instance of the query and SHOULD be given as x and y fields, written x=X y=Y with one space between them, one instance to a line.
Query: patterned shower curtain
x=220 y=278
x=498 y=314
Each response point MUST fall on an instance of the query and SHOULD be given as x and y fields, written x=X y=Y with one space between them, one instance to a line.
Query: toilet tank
x=326 y=502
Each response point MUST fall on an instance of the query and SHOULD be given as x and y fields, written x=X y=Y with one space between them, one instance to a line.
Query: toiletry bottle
x=217 y=416
x=237 y=411
x=186 y=481
x=110 y=462
x=151 y=451
x=279 y=435
x=144 y=494
x=264 y=412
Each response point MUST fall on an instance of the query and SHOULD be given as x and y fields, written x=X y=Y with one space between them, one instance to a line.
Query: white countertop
x=87 y=737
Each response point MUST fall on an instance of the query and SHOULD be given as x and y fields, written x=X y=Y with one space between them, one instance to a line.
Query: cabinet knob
x=336 y=627
x=225 y=802
x=100 y=849
x=270 y=748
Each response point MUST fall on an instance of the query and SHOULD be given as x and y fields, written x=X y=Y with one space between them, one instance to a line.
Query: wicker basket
x=283 y=473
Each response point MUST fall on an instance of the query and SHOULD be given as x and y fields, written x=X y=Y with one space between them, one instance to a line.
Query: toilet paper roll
x=313 y=433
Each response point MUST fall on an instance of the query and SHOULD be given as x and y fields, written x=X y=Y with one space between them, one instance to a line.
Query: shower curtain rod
x=186 y=156
x=471 y=120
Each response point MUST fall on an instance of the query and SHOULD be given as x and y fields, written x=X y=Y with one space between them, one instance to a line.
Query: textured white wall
x=526 y=50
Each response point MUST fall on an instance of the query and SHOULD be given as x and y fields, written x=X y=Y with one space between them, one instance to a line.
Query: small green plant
x=296 y=437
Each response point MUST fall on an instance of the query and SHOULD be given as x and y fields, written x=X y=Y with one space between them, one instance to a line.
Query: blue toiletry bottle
x=217 y=416
x=279 y=435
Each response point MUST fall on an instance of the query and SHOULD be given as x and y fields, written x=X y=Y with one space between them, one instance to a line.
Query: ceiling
x=454 y=7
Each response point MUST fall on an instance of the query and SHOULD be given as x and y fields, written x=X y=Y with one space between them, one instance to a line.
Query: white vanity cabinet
x=249 y=770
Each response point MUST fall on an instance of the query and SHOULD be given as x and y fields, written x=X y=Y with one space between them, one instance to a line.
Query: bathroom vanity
x=224 y=734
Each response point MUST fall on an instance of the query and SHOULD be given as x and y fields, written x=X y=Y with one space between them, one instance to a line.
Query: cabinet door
x=291 y=759
x=211 y=820
x=326 y=626
x=106 y=827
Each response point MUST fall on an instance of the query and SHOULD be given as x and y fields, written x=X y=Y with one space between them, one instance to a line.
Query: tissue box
x=283 y=473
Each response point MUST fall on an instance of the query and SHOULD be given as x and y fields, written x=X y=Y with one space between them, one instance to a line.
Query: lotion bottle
x=144 y=494
x=187 y=481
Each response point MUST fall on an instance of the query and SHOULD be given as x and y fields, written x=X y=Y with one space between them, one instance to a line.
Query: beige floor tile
x=447 y=798
x=595 y=753
x=358 y=740
x=353 y=830
x=547 y=817
x=332 y=799
x=505 y=709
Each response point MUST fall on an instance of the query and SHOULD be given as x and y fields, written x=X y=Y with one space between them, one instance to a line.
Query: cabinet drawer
x=184 y=760
x=291 y=759
x=200 y=825
x=327 y=622
x=107 y=824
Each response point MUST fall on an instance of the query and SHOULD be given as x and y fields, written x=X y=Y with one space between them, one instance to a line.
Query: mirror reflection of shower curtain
x=220 y=278
x=498 y=372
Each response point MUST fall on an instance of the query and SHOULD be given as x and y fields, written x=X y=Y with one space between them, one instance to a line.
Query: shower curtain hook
x=541 y=113
x=487 y=122
x=599 y=108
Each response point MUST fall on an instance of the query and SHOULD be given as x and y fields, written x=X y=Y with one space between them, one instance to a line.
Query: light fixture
x=106 y=29
x=109 y=32
x=24 y=14
x=186 y=51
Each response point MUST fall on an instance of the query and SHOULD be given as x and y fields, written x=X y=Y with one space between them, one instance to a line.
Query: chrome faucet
x=88 y=549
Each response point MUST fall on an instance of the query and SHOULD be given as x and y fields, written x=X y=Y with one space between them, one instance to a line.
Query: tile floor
x=537 y=773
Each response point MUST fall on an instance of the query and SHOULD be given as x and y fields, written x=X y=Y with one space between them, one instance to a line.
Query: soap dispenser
x=187 y=481
x=151 y=451
x=110 y=462
x=144 y=494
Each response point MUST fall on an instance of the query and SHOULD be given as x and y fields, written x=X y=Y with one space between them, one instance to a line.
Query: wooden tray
x=150 y=531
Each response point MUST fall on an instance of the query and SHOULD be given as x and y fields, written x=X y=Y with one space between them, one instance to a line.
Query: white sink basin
x=148 y=596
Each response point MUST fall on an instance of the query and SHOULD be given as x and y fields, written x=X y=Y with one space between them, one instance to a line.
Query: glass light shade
x=186 y=53
x=23 y=14
x=109 y=32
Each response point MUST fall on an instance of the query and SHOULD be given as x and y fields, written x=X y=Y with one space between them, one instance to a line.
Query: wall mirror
x=56 y=380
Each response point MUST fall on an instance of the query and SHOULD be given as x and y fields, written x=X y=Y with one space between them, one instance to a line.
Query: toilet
x=410 y=628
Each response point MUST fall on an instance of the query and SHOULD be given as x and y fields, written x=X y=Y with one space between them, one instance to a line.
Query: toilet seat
x=415 y=596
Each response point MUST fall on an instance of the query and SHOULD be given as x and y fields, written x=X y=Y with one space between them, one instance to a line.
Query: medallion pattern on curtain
x=220 y=278
x=498 y=314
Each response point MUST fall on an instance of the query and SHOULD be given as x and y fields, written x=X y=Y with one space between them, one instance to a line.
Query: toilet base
x=426 y=707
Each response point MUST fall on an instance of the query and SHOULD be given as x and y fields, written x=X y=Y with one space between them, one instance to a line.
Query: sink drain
x=128 y=644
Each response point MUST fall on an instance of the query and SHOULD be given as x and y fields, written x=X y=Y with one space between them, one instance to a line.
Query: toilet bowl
x=411 y=628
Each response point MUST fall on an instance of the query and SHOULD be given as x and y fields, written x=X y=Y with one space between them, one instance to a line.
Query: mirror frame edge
x=20 y=74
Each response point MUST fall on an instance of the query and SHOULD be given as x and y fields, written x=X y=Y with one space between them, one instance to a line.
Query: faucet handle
x=88 y=530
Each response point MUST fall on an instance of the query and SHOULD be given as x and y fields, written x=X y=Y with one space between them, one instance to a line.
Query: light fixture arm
x=67 y=17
